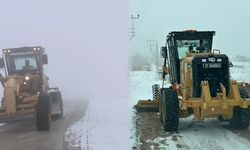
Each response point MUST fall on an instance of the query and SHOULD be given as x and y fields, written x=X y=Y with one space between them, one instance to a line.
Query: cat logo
x=211 y=59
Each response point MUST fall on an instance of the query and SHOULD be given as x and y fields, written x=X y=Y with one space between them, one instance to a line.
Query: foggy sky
x=86 y=41
x=230 y=20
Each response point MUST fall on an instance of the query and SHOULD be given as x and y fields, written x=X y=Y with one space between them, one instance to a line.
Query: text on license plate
x=211 y=65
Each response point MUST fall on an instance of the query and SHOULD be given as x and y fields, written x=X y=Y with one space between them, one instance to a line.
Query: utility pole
x=132 y=32
x=154 y=51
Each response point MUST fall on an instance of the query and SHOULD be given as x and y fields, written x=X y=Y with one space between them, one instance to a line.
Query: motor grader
x=26 y=91
x=200 y=83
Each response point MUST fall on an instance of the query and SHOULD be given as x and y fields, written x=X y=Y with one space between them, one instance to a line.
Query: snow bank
x=240 y=71
x=141 y=88
x=106 y=124
x=73 y=135
x=141 y=85
x=141 y=82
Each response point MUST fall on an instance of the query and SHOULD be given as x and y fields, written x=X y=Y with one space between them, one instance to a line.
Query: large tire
x=160 y=106
x=43 y=113
x=155 y=90
x=170 y=110
x=220 y=118
x=56 y=97
x=61 y=104
x=240 y=118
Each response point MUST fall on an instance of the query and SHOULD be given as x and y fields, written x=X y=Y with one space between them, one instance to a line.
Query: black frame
x=214 y=76
x=173 y=59
x=39 y=52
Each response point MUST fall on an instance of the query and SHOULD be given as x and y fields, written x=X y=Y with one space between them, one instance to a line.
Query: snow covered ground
x=210 y=134
x=108 y=123
x=105 y=126
x=240 y=71
x=73 y=135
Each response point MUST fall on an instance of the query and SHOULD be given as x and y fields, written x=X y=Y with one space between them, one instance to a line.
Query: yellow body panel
x=206 y=106
x=18 y=99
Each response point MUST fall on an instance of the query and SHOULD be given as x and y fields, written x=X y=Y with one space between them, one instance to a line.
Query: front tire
x=240 y=118
x=170 y=110
x=43 y=113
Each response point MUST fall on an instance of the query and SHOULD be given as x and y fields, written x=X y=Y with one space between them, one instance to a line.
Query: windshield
x=25 y=62
x=184 y=46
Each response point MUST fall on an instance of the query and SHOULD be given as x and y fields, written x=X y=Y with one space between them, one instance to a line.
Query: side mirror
x=164 y=52
x=1 y=63
x=45 y=59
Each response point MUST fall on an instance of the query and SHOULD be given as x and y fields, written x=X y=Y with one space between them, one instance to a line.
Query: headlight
x=27 y=78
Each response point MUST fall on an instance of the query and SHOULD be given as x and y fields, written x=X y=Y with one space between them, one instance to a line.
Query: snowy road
x=23 y=135
x=210 y=134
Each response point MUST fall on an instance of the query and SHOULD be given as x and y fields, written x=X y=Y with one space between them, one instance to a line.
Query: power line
x=145 y=7
x=145 y=12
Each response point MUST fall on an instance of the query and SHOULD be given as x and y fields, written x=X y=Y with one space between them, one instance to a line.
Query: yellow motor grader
x=26 y=90
x=200 y=83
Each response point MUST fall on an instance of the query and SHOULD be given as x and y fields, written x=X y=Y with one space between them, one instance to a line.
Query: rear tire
x=160 y=106
x=170 y=110
x=220 y=118
x=43 y=113
x=61 y=104
x=240 y=118
x=56 y=99
x=155 y=90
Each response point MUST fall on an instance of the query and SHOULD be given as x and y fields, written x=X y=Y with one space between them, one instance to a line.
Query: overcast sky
x=86 y=41
x=229 y=18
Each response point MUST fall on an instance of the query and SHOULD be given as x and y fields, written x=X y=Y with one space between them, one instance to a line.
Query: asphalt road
x=22 y=135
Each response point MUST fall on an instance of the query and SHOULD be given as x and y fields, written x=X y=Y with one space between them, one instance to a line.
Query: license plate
x=211 y=65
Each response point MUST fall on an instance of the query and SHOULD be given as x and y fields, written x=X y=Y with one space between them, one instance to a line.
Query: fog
x=229 y=19
x=86 y=42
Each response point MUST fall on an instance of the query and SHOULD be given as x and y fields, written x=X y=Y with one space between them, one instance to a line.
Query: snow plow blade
x=147 y=106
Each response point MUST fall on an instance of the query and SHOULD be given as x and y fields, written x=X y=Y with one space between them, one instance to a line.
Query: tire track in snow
x=171 y=141
x=152 y=136
x=210 y=135
x=91 y=121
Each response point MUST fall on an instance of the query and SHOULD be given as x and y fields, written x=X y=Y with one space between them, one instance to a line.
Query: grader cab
x=26 y=90
x=200 y=83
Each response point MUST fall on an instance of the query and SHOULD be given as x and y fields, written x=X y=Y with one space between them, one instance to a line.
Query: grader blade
x=150 y=105
x=147 y=106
